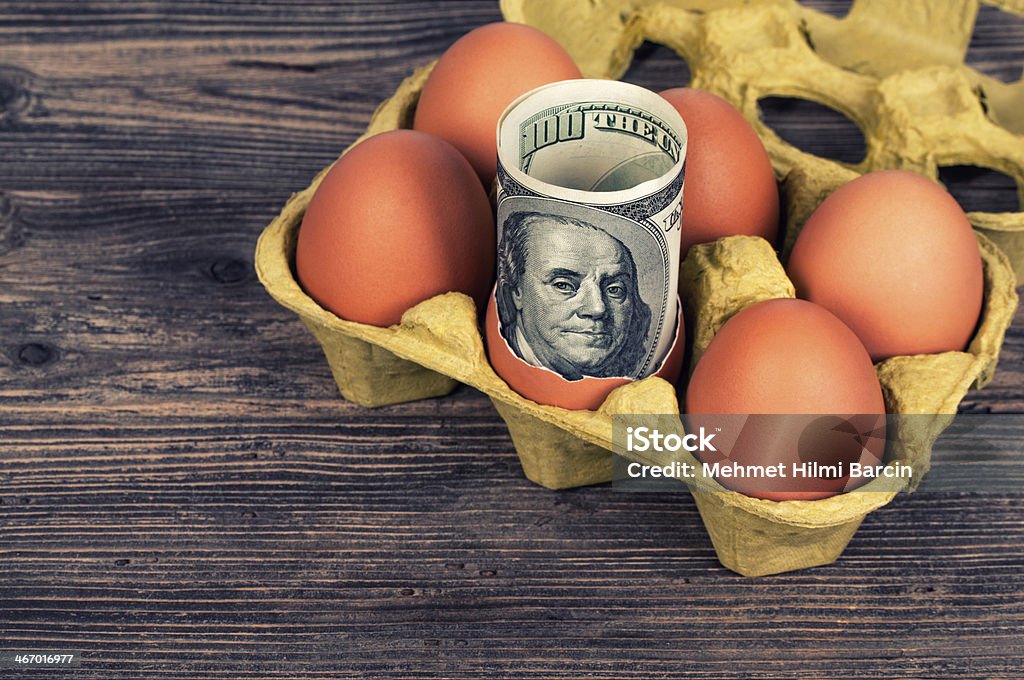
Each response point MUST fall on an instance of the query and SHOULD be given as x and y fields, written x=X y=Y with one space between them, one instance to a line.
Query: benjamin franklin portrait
x=568 y=297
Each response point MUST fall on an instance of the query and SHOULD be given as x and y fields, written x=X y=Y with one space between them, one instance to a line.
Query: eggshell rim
x=588 y=393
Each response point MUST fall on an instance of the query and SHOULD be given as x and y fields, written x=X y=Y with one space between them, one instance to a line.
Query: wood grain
x=184 y=494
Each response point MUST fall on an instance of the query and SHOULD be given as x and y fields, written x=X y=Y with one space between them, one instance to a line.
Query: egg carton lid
x=896 y=69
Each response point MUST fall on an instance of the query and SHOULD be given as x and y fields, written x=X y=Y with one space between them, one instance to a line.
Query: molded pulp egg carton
x=896 y=69
x=438 y=342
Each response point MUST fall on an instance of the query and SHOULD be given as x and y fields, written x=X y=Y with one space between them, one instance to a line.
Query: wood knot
x=229 y=270
x=15 y=93
x=36 y=354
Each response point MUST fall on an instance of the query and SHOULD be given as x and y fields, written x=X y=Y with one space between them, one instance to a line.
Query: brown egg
x=730 y=187
x=478 y=77
x=892 y=254
x=399 y=219
x=547 y=387
x=788 y=358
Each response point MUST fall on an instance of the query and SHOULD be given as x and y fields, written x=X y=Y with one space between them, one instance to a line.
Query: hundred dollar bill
x=590 y=189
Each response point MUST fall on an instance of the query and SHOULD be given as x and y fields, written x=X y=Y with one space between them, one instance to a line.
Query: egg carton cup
x=756 y=537
x=896 y=69
x=438 y=343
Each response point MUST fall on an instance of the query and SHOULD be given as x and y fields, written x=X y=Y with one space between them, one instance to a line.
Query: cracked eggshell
x=548 y=388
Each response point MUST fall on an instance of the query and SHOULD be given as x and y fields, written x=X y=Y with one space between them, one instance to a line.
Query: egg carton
x=894 y=68
x=438 y=343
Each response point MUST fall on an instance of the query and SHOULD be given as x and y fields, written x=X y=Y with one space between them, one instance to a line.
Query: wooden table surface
x=184 y=494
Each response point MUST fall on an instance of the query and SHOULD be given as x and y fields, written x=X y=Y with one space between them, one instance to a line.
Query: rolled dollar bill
x=590 y=191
